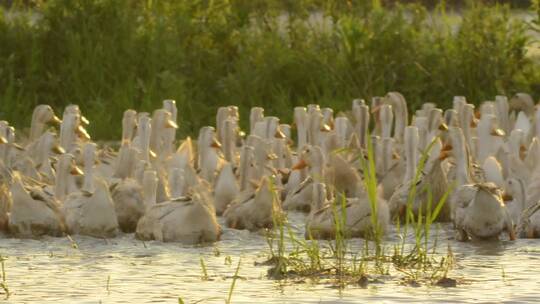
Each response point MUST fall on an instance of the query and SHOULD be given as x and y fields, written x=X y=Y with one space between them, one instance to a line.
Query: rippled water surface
x=127 y=270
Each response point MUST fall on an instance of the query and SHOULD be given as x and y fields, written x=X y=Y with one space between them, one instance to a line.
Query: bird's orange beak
x=498 y=132
x=507 y=197
x=58 y=150
x=444 y=154
x=171 y=124
x=75 y=170
x=55 y=120
x=279 y=134
x=81 y=131
x=325 y=128
x=215 y=144
x=300 y=165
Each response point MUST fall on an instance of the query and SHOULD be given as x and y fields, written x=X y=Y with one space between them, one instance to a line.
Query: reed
x=338 y=261
x=419 y=262
x=370 y=183
x=233 y=284
x=4 y=284
x=203 y=269
x=108 y=286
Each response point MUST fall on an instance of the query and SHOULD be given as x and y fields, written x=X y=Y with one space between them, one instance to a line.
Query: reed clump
x=344 y=261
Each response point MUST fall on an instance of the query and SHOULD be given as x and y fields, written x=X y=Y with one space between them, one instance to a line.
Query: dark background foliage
x=109 y=55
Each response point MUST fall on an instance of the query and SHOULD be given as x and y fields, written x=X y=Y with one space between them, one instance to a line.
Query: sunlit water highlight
x=125 y=270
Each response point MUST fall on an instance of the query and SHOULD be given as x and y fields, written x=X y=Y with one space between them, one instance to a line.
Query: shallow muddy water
x=125 y=270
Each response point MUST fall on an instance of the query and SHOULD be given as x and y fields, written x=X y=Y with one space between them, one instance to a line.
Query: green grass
x=4 y=284
x=204 y=276
x=233 y=283
x=109 y=55
x=342 y=262
x=419 y=262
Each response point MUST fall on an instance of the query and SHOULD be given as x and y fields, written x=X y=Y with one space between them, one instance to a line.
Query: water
x=124 y=269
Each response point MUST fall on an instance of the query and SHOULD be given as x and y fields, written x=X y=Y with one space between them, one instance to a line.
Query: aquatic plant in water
x=342 y=262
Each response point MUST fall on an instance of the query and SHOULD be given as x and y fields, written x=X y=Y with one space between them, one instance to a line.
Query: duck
x=126 y=192
x=358 y=219
x=529 y=223
x=223 y=114
x=4 y=155
x=226 y=188
x=188 y=219
x=429 y=185
x=41 y=116
x=7 y=142
x=390 y=174
x=490 y=137
x=229 y=141
x=263 y=157
x=343 y=177
x=316 y=128
x=6 y=200
x=209 y=154
x=515 y=165
x=268 y=128
x=69 y=129
x=162 y=134
x=169 y=134
x=142 y=139
x=107 y=159
x=14 y=150
x=469 y=124
x=400 y=198
x=502 y=107
x=38 y=163
x=129 y=124
x=91 y=211
x=316 y=225
x=493 y=171
x=47 y=146
x=485 y=216
x=477 y=207
x=299 y=198
x=256 y=210
x=521 y=102
x=386 y=117
x=184 y=155
x=515 y=199
x=256 y=114
x=34 y=212
x=361 y=117
x=343 y=129
x=301 y=121
x=399 y=105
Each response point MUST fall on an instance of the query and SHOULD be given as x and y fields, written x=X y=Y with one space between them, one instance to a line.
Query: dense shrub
x=109 y=55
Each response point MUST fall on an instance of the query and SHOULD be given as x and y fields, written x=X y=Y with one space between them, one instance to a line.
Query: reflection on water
x=126 y=270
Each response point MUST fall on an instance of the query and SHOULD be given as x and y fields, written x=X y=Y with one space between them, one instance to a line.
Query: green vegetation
x=109 y=55
x=344 y=262
x=233 y=283
x=4 y=284
x=419 y=262
x=204 y=271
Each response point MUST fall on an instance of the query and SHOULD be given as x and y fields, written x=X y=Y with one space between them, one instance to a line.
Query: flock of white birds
x=476 y=168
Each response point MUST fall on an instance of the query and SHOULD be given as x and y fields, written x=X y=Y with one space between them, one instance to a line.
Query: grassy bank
x=109 y=55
